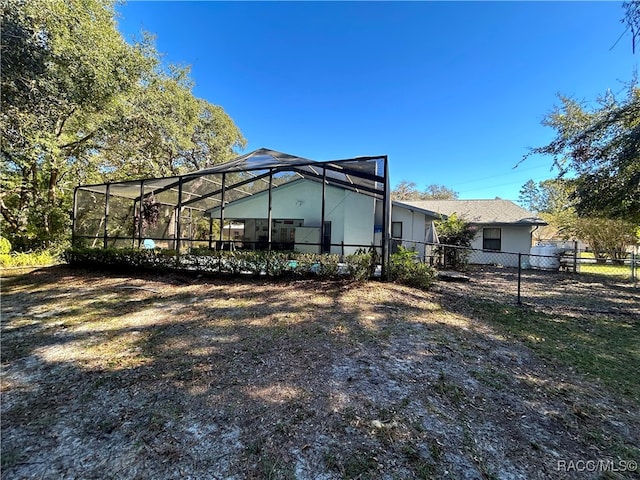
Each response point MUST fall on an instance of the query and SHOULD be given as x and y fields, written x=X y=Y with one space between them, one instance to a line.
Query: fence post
x=575 y=256
x=634 y=269
x=519 y=275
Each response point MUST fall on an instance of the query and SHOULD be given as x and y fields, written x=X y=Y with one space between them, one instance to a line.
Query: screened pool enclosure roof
x=176 y=213
x=249 y=174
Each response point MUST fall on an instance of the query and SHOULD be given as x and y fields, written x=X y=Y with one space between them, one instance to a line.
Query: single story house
x=269 y=199
x=504 y=228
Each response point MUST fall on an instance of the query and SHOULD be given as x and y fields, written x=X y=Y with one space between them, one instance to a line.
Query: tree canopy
x=549 y=196
x=406 y=190
x=600 y=146
x=80 y=105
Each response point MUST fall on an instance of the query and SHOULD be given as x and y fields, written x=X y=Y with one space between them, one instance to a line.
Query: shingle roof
x=496 y=211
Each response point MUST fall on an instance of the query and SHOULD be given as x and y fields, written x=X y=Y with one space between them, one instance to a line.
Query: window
x=491 y=238
x=396 y=229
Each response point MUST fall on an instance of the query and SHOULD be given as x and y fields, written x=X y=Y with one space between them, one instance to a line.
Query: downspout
x=531 y=235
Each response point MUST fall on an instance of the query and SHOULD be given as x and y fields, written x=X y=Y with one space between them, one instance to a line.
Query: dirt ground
x=163 y=377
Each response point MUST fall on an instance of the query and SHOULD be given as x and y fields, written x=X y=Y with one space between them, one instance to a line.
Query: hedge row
x=257 y=263
x=361 y=266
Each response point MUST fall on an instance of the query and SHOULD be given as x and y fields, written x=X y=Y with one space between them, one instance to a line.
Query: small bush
x=31 y=259
x=5 y=246
x=405 y=268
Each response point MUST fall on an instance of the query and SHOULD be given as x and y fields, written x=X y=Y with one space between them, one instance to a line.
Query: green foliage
x=407 y=269
x=406 y=190
x=591 y=344
x=549 y=196
x=251 y=262
x=600 y=145
x=607 y=237
x=455 y=231
x=529 y=196
x=361 y=266
x=455 y=237
x=30 y=259
x=81 y=105
x=5 y=246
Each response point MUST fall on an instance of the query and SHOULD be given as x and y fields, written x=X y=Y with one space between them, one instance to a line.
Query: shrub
x=5 y=246
x=30 y=259
x=454 y=232
x=274 y=264
x=360 y=265
x=407 y=269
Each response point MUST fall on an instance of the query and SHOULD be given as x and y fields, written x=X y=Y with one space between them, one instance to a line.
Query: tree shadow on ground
x=172 y=377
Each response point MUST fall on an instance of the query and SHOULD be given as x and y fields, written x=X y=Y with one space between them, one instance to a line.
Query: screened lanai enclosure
x=263 y=200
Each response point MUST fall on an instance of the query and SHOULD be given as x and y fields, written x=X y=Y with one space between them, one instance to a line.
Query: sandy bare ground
x=150 y=377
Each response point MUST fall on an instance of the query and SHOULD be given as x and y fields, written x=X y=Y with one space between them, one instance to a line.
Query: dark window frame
x=492 y=243
x=392 y=229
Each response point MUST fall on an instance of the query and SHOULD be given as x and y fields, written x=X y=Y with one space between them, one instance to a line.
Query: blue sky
x=452 y=92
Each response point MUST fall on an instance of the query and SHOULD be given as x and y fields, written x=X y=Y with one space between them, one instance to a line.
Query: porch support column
x=140 y=213
x=269 y=212
x=322 y=213
x=106 y=216
x=74 y=216
x=178 y=220
x=224 y=179
x=210 y=231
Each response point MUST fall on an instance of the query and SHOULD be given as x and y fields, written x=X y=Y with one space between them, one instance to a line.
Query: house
x=352 y=220
x=272 y=200
x=503 y=227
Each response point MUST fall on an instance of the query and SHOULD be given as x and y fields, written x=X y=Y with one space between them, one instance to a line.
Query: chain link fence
x=543 y=263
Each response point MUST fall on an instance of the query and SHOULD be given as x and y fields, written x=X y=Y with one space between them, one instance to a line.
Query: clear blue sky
x=452 y=92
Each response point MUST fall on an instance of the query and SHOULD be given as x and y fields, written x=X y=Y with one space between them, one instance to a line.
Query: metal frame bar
x=106 y=217
x=178 y=222
x=269 y=210
x=224 y=178
x=323 y=208
x=74 y=217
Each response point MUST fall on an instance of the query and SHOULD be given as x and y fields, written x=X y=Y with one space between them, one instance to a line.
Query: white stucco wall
x=514 y=240
x=413 y=227
x=351 y=214
x=358 y=220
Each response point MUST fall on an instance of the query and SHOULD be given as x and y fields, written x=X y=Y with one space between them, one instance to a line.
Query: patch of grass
x=495 y=379
x=273 y=468
x=9 y=458
x=422 y=468
x=359 y=463
x=605 y=349
x=450 y=390
x=608 y=269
